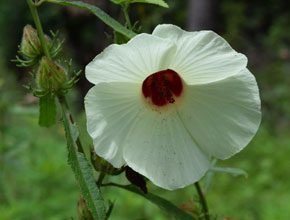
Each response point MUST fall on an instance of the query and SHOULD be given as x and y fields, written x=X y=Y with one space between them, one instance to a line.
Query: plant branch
x=81 y=167
x=202 y=201
x=125 y=8
x=103 y=16
x=63 y=100
x=76 y=157
x=38 y=3
x=162 y=203
x=101 y=178
x=39 y=29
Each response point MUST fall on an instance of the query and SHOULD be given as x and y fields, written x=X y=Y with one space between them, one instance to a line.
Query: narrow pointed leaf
x=230 y=170
x=163 y=204
x=47 y=111
x=83 y=172
x=103 y=16
x=154 y=2
x=208 y=179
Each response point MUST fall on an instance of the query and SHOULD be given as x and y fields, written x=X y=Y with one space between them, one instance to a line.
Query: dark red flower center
x=162 y=87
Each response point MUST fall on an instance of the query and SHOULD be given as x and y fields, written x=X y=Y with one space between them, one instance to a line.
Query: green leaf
x=90 y=191
x=163 y=204
x=230 y=170
x=103 y=16
x=47 y=110
x=110 y=209
x=154 y=2
x=208 y=179
x=83 y=171
x=120 y=38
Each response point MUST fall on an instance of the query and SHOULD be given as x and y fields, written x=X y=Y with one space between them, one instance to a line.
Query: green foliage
x=103 y=16
x=82 y=170
x=154 y=2
x=256 y=30
x=266 y=161
x=50 y=77
x=163 y=204
x=35 y=157
x=35 y=181
x=230 y=170
x=47 y=110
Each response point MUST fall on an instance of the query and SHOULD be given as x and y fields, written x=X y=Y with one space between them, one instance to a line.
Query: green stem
x=38 y=3
x=62 y=99
x=103 y=16
x=81 y=167
x=76 y=157
x=202 y=201
x=162 y=203
x=125 y=9
x=37 y=22
x=101 y=178
x=115 y=184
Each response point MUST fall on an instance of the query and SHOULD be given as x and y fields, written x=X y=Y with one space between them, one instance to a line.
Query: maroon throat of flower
x=162 y=87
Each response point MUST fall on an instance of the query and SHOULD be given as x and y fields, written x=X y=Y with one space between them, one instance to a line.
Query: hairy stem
x=39 y=29
x=202 y=201
x=62 y=99
x=76 y=157
x=81 y=167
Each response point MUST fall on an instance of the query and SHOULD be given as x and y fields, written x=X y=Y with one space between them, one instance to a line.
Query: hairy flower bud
x=30 y=46
x=50 y=75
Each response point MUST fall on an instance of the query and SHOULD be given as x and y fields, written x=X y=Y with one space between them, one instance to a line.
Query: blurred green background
x=35 y=180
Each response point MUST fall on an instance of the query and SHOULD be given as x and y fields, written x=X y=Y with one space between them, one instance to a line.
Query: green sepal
x=47 y=110
x=50 y=76
x=154 y=2
x=30 y=47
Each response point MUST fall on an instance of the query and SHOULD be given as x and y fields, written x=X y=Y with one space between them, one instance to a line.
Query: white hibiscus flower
x=166 y=103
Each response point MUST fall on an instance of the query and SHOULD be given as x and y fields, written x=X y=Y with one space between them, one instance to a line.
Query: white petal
x=201 y=56
x=160 y=148
x=223 y=116
x=111 y=108
x=132 y=62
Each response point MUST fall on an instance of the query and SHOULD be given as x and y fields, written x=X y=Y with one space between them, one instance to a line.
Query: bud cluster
x=51 y=77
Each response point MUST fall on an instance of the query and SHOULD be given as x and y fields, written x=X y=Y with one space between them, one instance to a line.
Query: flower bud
x=136 y=179
x=102 y=165
x=50 y=75
x=30 y=46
